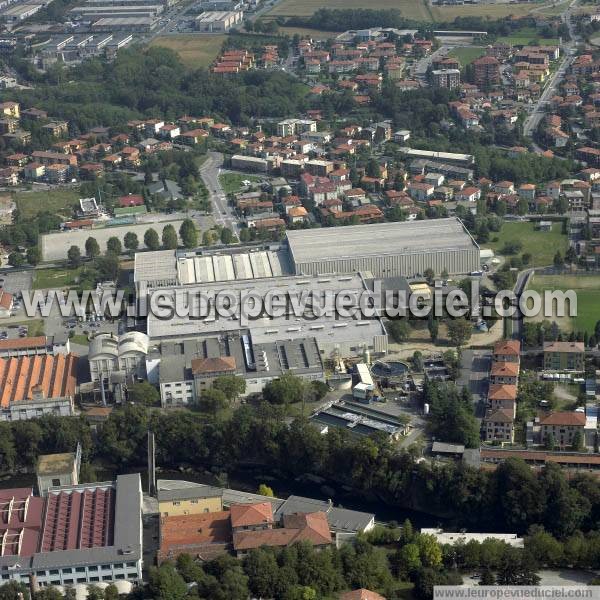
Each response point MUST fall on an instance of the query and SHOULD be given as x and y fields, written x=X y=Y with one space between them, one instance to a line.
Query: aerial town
x=298 y=300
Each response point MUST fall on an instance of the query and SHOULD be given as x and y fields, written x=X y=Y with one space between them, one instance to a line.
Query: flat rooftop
x=265 y=329
x=381 y=239
x=49 y=464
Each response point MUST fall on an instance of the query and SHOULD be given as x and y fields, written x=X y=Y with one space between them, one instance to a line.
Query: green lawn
x=195 y=51
x=232 y=182
x=466 y=55
x=80 y=338
x=60 y=202
x=54 y=278
x=587 y=289
x=542 y=245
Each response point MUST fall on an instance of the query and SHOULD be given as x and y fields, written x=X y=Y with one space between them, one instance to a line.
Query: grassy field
x=315 y=34
x=80 y=338
x=59 y=202
x=232 y=182
x=466 y=55
x=540 y=244
x=54 y=278
x=195 y=51
x=411 y=9
x=418 y=10
x=527 y=40
x=587 y=289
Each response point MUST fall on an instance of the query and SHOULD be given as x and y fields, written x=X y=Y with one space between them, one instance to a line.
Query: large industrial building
x=89 y=533
x=405 y=249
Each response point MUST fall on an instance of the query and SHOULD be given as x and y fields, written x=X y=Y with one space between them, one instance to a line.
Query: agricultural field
x=587 y=289
x=195 y=51
x=466 y=55
x=419 y=10
x=59 y=202
x=411 y=9
x=542 y=245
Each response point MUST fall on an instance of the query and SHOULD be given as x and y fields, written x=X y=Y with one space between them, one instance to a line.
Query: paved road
x=538 y=110
x=222 y=212
x=520 y=287
x=474 y=370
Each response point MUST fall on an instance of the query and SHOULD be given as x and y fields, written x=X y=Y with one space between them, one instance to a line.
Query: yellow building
x=10 y=109
x=189 y=501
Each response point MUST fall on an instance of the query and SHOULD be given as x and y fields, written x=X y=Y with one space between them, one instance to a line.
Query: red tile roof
x=502 y=391
x=510 y=347
x=505 y=369
x=247 y=515
x=213 y=365
x=361 y=594
x=564 y=418
x=39 y=341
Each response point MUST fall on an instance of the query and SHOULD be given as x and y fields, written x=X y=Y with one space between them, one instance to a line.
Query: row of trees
x=512 y=498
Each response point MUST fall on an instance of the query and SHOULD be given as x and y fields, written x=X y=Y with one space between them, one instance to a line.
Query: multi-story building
x=564 y=356
x=499 y=426
x=487 y=71
x=88 y=533
x=507 y=351
x=563 y=427
x=446 y=78
x=32 y=386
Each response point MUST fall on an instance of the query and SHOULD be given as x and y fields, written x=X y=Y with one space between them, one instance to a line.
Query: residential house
x=499 y=426
x=564 y=356
x=563 y=427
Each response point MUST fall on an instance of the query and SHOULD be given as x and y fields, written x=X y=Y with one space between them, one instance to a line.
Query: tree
x=166 y=584
x=34 y=255
x=399 y=330
x=550 y=442
x=578 y=442
x=188 y=234
x=430 y=552
x=429 y=275
x=231 y=385
x=151 y=240
x=74 y=256
x=11 y=590
x=212 y=400
x=207 y=238
x=517 y=568
x=265 y=490
x=169 y=238
x=459 y=331
x=131 y=241
x=143 y=393
x=92 y=249
x=487 y=578
x=111 y=592
x=226 y=235
x=559 y=263
x=15 y=259
x=288 y=389
x=433 y=326
x=409 y=560
x=262 y=570
x=114 y=246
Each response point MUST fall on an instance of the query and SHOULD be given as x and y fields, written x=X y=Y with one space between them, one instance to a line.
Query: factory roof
x=52 y=376
x=415 y=237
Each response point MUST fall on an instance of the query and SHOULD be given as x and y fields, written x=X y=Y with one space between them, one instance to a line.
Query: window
x=194 y=501
x=67 y=581
x=67 y=570
x=106 y=567
x=131 y=564
x=176 y=503
x=54 y=572
x=55 y=482
x=81 y=579
x=80 y=570
x=92 y=579
x=40 y=573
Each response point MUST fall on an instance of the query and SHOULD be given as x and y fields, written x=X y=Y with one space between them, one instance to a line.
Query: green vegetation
x=232 y=182
x=466 y=55
x=541 y=245
x=35 y=327
x=79 y=338
x=195 y=51
x=59 y=202
x=587 y=289
x=526 y=36
x=55 y=278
